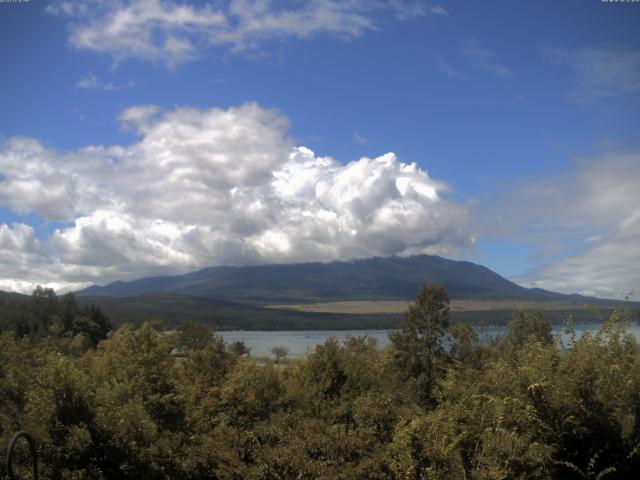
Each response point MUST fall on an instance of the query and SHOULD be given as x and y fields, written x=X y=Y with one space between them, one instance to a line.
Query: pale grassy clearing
x=399 y=306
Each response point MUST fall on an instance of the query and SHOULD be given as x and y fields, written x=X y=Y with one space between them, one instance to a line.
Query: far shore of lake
x=300 y=342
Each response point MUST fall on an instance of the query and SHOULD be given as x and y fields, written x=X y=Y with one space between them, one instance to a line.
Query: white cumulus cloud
x=204 y=187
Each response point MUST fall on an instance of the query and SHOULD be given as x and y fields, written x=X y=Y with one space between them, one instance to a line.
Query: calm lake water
x=299 y=341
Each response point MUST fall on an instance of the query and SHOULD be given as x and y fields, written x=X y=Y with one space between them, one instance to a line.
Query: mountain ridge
x=373 y=278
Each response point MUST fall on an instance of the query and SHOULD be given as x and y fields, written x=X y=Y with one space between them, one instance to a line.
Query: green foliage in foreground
x=147 y=405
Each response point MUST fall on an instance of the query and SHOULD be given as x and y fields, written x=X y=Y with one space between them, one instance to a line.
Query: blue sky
x=521 y=115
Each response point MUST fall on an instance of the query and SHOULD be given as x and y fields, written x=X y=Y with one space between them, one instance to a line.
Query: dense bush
x=149 y=405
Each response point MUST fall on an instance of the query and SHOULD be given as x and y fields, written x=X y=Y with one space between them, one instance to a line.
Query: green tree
x=193 y=336
x=324 y=371
x=251 y=393
x=238 y=348
x=280 y=352
x=465 y=345
x=417 y=346
x=526 y=327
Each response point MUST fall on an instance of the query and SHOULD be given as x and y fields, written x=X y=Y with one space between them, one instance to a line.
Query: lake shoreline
x=299 y=341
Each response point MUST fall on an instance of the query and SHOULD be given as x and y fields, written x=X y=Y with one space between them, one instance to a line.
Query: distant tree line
x=44 y=314
x=436 y=403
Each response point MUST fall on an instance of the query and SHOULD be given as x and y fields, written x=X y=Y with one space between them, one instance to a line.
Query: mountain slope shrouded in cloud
x=210 y=187
x=376 y=278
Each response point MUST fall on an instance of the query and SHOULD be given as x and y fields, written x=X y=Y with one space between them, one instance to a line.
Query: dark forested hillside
x=174 y=309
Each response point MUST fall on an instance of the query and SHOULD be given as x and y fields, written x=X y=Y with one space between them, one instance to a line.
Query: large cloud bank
x=210 y=187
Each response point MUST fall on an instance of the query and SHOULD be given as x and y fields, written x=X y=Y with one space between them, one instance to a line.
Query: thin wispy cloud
x=482 y=58
x=448 y=70
x=174 y=33
x=439 y=10
x=359 y=139
x=92 y=82
x=407 y=9
x=603 y=269
x=596 y=201
x=599 y=74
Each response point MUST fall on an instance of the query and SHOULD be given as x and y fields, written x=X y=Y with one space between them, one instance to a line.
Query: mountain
x=9 y=295
x=375 y=278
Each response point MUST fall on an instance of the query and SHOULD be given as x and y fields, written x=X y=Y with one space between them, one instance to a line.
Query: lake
x=299 y=341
